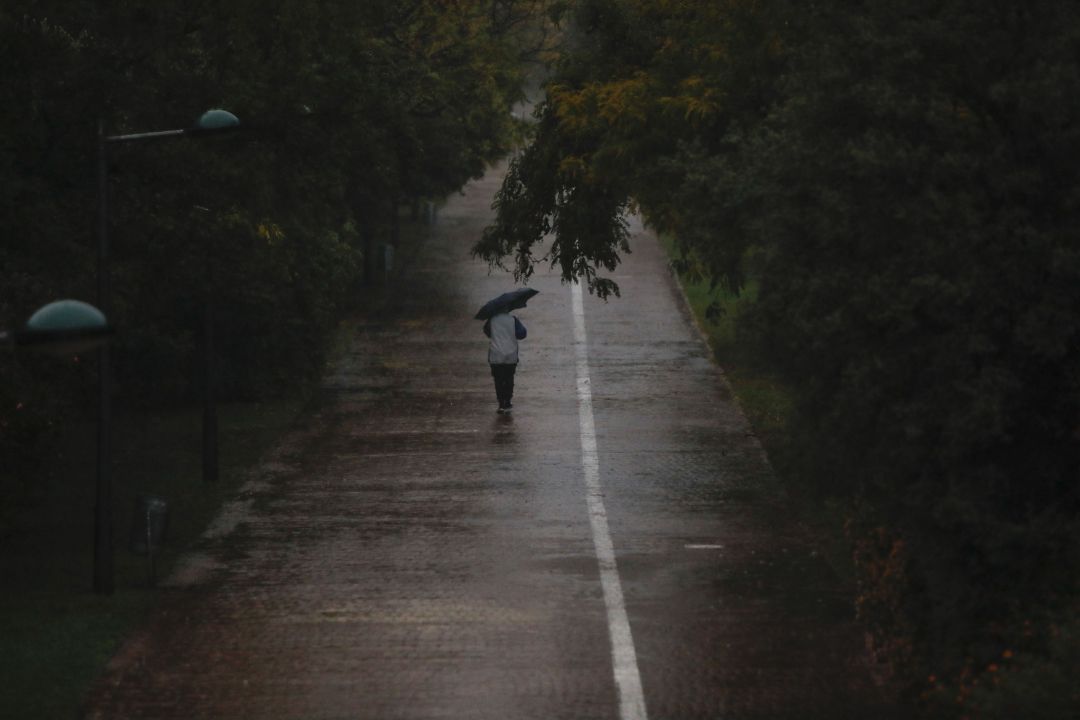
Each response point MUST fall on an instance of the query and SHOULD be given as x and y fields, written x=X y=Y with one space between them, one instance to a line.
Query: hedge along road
x=615 y=548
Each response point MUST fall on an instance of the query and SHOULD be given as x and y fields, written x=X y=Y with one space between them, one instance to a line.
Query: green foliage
x=541 y=196
x=626 y=115
x=921 y=278
x=348 y=109
x=900 y=179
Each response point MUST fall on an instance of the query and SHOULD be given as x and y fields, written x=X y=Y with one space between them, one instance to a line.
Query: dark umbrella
x=506 y=302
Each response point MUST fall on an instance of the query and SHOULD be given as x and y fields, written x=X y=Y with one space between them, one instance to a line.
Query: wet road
x=409 y=553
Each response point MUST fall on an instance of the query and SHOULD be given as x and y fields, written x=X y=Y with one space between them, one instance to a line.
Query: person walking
x=505 y=330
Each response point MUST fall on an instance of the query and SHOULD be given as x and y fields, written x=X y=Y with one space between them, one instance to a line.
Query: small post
x=395 y=223
x=151 y=573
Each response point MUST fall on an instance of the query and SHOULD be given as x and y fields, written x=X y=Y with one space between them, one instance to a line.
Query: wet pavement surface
x=409 y=553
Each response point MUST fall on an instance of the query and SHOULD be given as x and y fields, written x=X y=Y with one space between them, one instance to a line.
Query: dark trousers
x=504 y=382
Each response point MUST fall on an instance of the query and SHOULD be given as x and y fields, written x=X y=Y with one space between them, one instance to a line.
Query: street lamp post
x=62 y=327
x=210 y=421
x=211 y=122
x=209 y=368
x=103 y=529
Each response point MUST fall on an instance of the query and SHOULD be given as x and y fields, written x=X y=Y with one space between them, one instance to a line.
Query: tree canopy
x=347 y=109
x=901 y=181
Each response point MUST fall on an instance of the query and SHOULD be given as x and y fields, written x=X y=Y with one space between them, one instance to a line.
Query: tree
x=349 y=109
x=647 y=88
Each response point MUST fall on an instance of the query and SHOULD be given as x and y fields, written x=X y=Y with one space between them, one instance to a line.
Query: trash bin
x=149 y=524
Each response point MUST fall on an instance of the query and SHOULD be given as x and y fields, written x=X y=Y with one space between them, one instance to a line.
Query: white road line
x=623 y=657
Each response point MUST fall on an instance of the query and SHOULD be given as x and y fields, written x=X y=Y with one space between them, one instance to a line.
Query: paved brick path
x=408 y=553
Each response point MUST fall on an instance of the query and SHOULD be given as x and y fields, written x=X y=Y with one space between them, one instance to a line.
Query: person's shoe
x=502 y=410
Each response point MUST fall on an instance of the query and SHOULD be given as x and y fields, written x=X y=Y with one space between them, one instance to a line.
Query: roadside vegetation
x=350 y=112
x=758 y=384
x=57 y=635
x=765 y=397
x=890 y=190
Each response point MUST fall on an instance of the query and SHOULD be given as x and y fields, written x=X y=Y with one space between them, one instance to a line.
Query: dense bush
x=923 y=280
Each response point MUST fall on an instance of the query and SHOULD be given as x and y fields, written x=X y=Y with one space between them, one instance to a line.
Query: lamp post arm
x=133 y=137
x=158 y=134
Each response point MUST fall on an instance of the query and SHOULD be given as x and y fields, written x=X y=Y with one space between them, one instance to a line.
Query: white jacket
x=504 y=343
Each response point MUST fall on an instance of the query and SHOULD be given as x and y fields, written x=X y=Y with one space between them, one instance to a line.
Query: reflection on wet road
x=409 y=553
